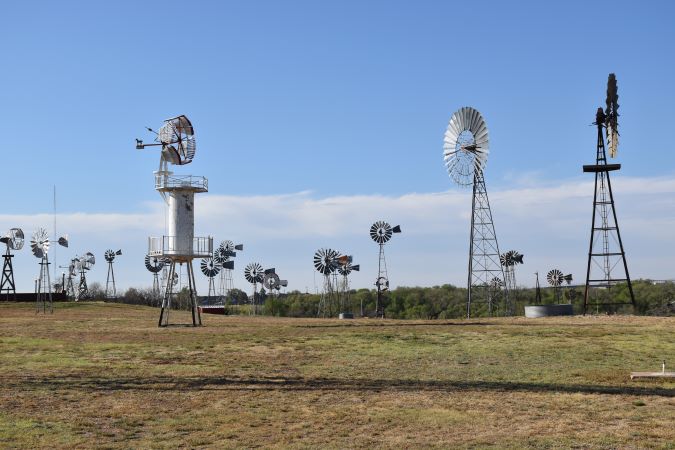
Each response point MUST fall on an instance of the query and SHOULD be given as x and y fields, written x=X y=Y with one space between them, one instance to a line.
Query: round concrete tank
x=534 y=311
x=181 y=222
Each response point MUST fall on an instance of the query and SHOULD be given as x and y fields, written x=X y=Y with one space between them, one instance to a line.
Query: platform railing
x=166 y=180
x=170 y=246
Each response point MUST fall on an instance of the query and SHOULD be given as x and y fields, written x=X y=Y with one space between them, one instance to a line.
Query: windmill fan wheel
x=210 y=267
x=110 y=255
x=496 y=283
x=380 y=232
x=39 y=243
x=325 y=260
x=465 y=146
x=554 y=277
x=153 y=264
x=254 y=273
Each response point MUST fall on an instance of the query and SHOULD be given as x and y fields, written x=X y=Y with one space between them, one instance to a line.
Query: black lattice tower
x=7 y=283
x=607 y=264
x=13 y=240
x=43 y=299
x=537 y=292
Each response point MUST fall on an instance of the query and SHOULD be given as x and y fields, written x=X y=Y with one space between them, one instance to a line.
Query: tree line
x=437 y=302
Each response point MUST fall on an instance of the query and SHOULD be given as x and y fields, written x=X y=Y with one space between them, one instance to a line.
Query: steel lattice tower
x=110 y=290
x=606 y=255
x=484 y=253
x=7 y=282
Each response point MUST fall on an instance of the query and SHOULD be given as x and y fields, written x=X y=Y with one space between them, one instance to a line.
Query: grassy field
x=103 y=375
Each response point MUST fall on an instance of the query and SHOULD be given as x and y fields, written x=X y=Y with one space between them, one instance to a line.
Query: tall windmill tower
x=345 y=267
x=176 y=137
x=13 y=240
x=224 y=255
x=110 y=290
x=84 y=264
x=606 y=257
x=381 y=232
x=154 y=266
x=326 y=263
x=210 y=268
x=39 y=245
x=465 y=152
x=254 y=274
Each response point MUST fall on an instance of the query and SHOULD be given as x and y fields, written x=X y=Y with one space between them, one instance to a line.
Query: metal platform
x=167 y=246
x=167 y=181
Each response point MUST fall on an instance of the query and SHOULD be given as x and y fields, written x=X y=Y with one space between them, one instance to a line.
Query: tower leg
x=192 y=286
x=166 y=300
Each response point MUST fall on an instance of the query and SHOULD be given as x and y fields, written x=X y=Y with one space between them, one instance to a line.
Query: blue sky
x=333 y=100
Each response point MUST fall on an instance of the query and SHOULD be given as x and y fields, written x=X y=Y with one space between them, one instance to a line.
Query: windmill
x=537 y=295
x=326 y=263
x=509 y=260
x=254 y=274
x=154 y=266
x=556 y=278
x=381 y=232
x=272 y=283
x=210 y=268
x=39 y=245
x=70 y=288
x=180 y=246
x=345 y=267
x=494 y=290
x=223 y=256
x=607 y=264
x=13 y=240
x=83 y=265
x=110 y=291
x=465 y=152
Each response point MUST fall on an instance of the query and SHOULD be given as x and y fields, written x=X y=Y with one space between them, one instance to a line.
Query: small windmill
x=326 y=263
x=110 y=291
x=210 y=268
x=84 y=264
x=381 y=232
x=271 y=281
x=345 y=267
x=154 y=266
x=555 y=279
x=254 y=274
x=70 y=287
x=224 y=255
x=495 y=287
x=39 y=245
x=13 y=240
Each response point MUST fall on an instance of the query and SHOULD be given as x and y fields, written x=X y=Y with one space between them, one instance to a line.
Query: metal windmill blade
x=210 y=267
x=253 y=273
x=63 y=241
x=496 y=283
x=465 y=145
x=505 y=259
x=554 y=277
x=14 y=239
x=178 y=141
x=109 y=255
x=346 y=269
x=612 y=115
x=87 y=261
x=153 y=264
x=271 y=281
x=325 y=260
x=39 y=243
x=381 y=232
x=516 y=257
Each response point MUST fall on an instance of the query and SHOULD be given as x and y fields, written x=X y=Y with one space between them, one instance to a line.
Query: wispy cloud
x=549 y=222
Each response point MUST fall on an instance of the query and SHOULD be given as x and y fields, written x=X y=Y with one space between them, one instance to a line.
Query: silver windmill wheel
x=346 y=269
x=466 y=145
x=178 y=140
x=14 y=239
x=210 y=267
x=87 y=261
x=612 y=115
x=271 y=281
x=39 y=243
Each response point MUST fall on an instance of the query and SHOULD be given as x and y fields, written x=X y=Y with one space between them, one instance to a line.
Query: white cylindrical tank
x=181 y=222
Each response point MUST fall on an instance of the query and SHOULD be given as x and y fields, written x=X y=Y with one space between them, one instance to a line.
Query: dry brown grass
x=104 y=375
